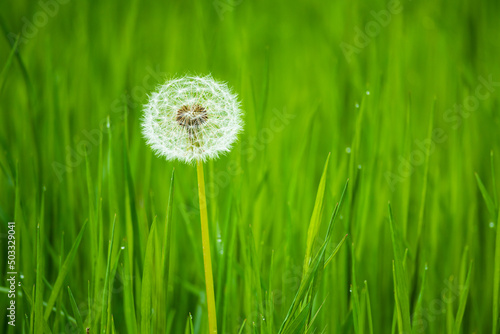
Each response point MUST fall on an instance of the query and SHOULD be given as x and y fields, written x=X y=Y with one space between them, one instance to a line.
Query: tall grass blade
x=487 y=198
x=462 y=303
x=400 y=279
x=105 y=292
x=76 y=312
x=147 y=282
x=315 y=222
x=63 y=272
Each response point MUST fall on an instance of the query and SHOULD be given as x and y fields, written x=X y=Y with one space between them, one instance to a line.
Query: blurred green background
x=403 y=94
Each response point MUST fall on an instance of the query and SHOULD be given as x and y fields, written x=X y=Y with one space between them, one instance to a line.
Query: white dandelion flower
x=192 y=119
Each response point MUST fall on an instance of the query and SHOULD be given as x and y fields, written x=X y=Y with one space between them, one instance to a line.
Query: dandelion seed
x=192 y=119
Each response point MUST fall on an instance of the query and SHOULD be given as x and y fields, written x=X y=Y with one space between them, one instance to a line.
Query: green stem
x=207 y=260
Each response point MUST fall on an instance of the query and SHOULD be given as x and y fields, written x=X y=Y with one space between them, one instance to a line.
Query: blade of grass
x=418 y=305
x=309 y=329
x=3 y=74
x=242 y=326
x=400 y=280
x=496 y=278
x=307 y=281
x=46 y=327
x=39 y=319
x=355 y=295
x=63 y=272
x=487 y=198
x=299 y=322
x=493 y=178
x=336 y=250
x=462 y=303
x=114 y=268
x=147 y=282
x=368 y=309
x=162 y=297
x=105 y=292
x=315 y=221
x=76 y=312
x=397 y=318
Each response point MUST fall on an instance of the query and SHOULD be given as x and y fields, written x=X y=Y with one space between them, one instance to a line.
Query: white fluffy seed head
x=192 y=118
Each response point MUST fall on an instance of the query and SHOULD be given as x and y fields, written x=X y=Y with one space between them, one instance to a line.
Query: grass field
x=401 y=98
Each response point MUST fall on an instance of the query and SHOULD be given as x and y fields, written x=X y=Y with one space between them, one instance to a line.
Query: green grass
x=107 y=239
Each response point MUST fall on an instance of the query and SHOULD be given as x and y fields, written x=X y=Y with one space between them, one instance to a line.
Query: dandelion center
x=191 y=116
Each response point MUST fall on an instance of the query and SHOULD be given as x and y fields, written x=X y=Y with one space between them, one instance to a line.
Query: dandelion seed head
x=192 y=118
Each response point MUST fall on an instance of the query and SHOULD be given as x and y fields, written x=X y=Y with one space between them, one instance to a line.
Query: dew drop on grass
x=357 y=105
x=492 y=224
x=123 y=247
x=348 y=150
x=367 y=92
x=359 y=166
x=22 y=276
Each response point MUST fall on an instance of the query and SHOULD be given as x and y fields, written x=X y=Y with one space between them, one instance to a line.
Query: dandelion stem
x=207 y=260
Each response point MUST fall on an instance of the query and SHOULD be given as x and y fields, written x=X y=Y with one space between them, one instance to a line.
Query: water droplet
x=367 y=92
x=359 y=166
x=357 y=105
x=123 y=247
x=492 y=224
x=348 y=150
x=341 y=217
x=350 y=289
x=22 y=276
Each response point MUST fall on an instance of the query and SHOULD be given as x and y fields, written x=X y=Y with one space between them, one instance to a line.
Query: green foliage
x=106 y=239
